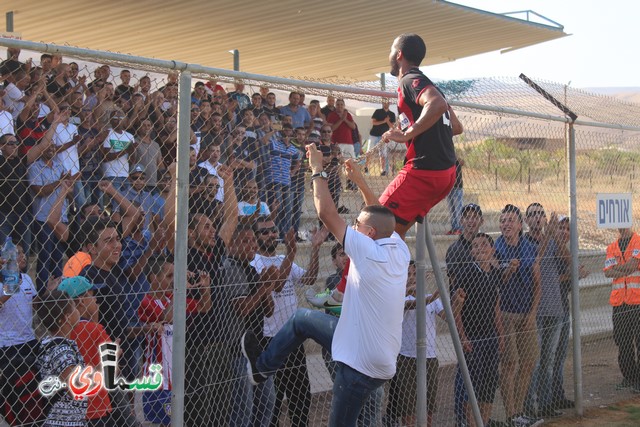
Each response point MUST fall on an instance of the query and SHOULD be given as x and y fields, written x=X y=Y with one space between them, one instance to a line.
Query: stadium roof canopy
x=321 y=40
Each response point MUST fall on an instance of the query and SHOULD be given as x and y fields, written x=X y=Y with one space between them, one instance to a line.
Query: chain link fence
x=92 y=193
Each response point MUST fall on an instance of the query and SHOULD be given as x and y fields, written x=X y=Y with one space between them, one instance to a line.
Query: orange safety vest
x=624 y=290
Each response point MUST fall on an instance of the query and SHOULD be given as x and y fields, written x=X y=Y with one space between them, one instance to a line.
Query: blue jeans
x=371 y=413
x=252 y=406
x=455 y=207
x=50 y=253
x=549 y=328
x=557 y=387
x=17 y=226
x=350 y=388
x=281 y=194
x=459 y=399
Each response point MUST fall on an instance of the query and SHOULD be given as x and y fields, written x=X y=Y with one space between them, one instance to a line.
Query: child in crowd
x=88 y=335
x=59 y=356
x=402 y=390
x=156 y=312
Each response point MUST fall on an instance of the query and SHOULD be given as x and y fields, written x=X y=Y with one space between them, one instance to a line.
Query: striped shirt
x=282 y=155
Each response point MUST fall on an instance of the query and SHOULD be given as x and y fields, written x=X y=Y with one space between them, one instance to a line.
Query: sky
x=602 y=50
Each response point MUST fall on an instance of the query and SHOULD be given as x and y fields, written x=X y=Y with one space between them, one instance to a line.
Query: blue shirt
x=299 y=119
x=516 y=295
x=134 y=289
x=40 y=174
x=281 y=158
x=147 y=202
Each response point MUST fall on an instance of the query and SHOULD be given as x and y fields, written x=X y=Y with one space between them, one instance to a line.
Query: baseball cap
x=76 y=286
x=314 y=134
x=471 y=207
x=137 y=169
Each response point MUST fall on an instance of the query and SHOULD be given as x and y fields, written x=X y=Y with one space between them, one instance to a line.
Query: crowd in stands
x=88 y=181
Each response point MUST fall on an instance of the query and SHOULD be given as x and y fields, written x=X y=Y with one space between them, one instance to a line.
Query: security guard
x=622 y=265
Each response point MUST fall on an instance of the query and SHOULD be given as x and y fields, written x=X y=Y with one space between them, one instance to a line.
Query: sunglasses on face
x=265 y=231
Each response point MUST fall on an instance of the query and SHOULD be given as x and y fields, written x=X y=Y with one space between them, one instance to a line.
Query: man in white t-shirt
x=293 y=379
x=66 y=140
x=211 y=165
x=14 y=97
x=116 y=150
x=365 y=340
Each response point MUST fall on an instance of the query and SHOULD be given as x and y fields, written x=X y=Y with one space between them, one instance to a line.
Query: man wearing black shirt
x=381 y=121
x=207 y=365
x=249 y=301
x=15 y=203
x=479 y=323
x=458 y=258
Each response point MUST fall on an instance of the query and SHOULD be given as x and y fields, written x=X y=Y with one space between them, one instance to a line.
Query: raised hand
x=319 y=236
x=315 y=158
x=290 y=241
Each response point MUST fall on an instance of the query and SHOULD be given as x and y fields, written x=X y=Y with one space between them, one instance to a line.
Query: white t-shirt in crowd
x=213 y=170
x=285 y=302
x=246 y=208
x=369 y=333
x=408 y=347
x=6 y=123
x=69 y=157
x=12 y=97
x=16 y=315
x=117 y=141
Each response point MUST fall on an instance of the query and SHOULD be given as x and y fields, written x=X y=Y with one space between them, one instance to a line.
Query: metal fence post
x=421 y=325
x=180 y=250
x=575 y=290
x=451 y=322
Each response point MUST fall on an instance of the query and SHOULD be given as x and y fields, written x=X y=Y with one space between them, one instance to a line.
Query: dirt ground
x=623 y=414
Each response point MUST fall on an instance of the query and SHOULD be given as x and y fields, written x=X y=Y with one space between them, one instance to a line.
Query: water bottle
x=10 y=270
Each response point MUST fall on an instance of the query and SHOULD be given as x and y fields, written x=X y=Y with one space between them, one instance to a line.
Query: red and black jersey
x=433 y=149
x=31 y=132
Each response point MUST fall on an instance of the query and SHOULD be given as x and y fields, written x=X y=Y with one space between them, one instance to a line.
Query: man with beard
x=293 y=378
x=427 y=125
x=207 y=363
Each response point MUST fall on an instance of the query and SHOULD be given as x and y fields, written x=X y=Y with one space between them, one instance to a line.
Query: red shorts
x=413 y=193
